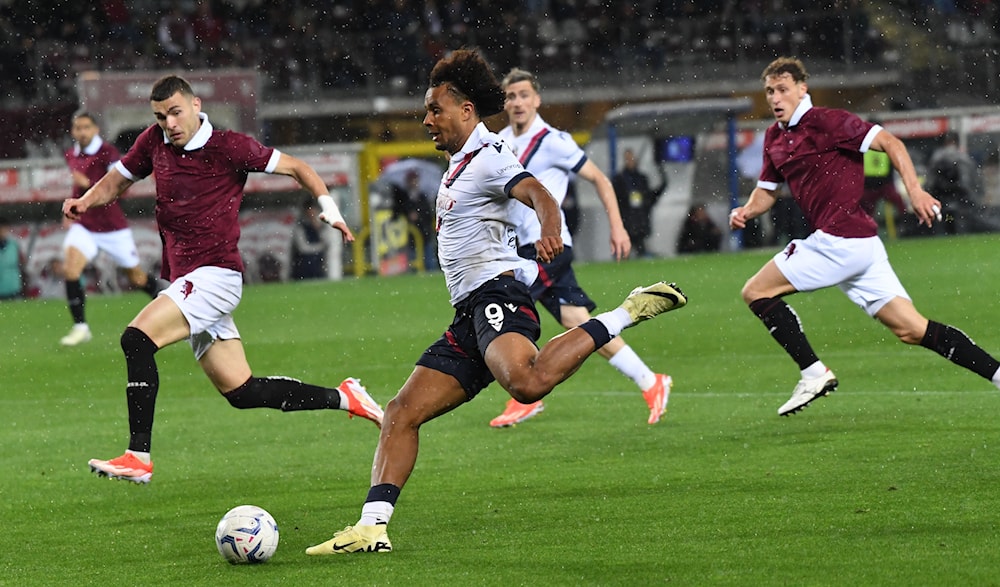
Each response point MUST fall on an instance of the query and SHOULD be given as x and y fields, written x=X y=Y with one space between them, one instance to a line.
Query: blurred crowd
x=318 y=50
x=308 y=47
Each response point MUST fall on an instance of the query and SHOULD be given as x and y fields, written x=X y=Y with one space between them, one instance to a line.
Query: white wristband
x=329 y=212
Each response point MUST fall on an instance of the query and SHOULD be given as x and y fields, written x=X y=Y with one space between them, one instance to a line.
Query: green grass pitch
x=892 y=480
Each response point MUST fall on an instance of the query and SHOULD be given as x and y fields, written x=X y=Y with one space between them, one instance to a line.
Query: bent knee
x=752 y=291
x=531 y=390
x=909 y=335
x=399 y=414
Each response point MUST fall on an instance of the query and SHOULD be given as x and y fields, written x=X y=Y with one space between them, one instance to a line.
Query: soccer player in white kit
x=495 y=326
x=551 y=155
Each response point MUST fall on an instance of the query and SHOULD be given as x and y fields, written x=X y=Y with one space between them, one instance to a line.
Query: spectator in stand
x=411 y=203
x=953 y=176
x=11 y=264
x=207 y=31
x=880 y=184
x=635 y=201
x=699 y=234
x=117 y=18
x=309 y=243
x=175 y=35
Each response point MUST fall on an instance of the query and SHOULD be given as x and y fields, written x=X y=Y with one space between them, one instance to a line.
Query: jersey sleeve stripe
x=125 y=172
x=272 y=163
x=870 y=137
x=515 y=180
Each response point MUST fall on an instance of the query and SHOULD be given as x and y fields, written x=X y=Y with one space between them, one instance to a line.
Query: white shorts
x=207 y=297
x=118 y=244
x=858 y=266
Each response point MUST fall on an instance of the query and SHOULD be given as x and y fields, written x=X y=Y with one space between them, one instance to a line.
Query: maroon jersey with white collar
x=821 y=158
x=199 y=190
x=94 y=161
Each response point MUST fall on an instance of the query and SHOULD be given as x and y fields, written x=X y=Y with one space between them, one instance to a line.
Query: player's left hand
x=547 y=247
x=345 y=231
x=925 y=206
x=330 y=214
x=621 y=244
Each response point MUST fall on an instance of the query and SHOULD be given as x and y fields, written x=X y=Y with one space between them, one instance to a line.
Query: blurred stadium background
x=341 y=85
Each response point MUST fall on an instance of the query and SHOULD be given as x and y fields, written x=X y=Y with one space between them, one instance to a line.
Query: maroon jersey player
x=819 y=153
x=200 y=173
x=102 y=228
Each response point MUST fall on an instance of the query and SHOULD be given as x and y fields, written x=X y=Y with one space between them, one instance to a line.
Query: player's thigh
x=878 y=286
x=79 y=248
x=81 y=239
x=136 y=275
x=510 y=358
x=768 y=282
x=206 y=299
x=225 y=364
x=74 y=262
x=162 y=321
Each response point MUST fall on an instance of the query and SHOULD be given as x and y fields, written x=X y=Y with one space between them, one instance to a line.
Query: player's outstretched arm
x=310 y=181
x=103 y=192
x=924 y=205
x=621 y=244
x=760 y=201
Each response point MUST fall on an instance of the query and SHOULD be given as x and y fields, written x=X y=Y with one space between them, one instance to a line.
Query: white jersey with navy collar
x=476 y=239
x=550 y=155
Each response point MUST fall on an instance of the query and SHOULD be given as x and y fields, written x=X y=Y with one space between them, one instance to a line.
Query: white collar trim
x=200 y=137
x=92 y=148
x=800 y=110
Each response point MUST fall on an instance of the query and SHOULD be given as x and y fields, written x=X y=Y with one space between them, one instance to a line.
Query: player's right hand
x=73 y=208
x=737 y=218
x=547 y=247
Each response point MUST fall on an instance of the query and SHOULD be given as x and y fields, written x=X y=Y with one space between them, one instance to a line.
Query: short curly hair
x=469 y=77
x=783 y=65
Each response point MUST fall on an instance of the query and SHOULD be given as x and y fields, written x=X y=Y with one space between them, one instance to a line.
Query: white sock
x=813 y=371
x=615 y=321
x=142 y=456
x=376 y=512
x=996 y=378
x=632 y=367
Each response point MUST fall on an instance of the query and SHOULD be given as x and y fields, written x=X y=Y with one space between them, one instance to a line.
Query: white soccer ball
x=246 y=534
